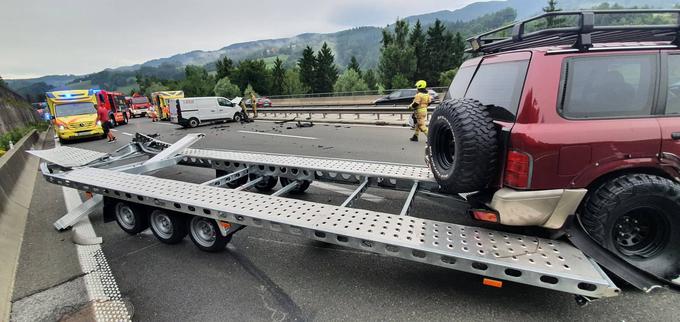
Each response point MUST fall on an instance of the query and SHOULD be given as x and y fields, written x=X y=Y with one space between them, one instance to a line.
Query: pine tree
x=370 y=79
x=307 y=65
x=354 y=65
x=387 y=37
x=278 y=77
x=458 y=50
x=401 y=32
x=326 y=72
x=417 y=42
x=552 y=21
x=439 y=52
x=225 y=67
x=397 y=58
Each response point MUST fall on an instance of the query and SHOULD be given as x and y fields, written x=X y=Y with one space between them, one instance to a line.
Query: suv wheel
x=462 y=146
x=638 y=218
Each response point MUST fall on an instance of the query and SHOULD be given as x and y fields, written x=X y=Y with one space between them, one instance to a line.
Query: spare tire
x=462 y=147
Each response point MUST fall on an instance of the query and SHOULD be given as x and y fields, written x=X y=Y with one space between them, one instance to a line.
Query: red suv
x=580 y=120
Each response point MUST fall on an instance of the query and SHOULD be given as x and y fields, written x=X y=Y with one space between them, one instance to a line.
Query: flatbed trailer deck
x=552 y=264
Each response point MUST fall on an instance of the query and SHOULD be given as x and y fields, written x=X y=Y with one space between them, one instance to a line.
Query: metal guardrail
x=441 y=90
x=340 y=110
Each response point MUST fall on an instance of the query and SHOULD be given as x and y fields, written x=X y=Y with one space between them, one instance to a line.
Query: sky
x=47 y=37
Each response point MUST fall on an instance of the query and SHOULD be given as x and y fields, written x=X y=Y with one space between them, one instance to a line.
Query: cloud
x=42 y=37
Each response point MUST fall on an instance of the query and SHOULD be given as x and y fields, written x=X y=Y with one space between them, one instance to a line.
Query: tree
x=552 y=21
x=154 y=87
x=446 y=77
x=387 y=38
x=3 y=84
x=400 y=81
x=254 y=73
x=458 y=50
x=225 y=67
x=225 y=88
x=249 y=91
x=278 y=77
x=370 y=79
x=292 y=84
x=350 y=81
x=197 y=82
x=326 y=72
x=307 y=65
x=417 y=41
x=397 y=58
x=439 y=52
x=354 y=65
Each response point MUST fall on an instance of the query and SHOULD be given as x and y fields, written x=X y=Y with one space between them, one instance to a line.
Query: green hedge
x=18 y=133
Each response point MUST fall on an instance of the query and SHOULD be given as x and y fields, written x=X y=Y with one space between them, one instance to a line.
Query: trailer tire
x=193 y=122
x=168 y=227
x=267 y=184
x=462 y=149
x=299 y=189
x=206 y=235
x=637 y=217
x=131 y=218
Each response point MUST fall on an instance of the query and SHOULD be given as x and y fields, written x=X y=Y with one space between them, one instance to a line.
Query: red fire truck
x=115 y=103
x=139 y=105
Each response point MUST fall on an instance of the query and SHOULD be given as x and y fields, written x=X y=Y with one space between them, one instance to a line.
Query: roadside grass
x=16 y=134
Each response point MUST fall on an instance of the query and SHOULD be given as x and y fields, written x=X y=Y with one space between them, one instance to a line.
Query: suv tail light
x=518 y=168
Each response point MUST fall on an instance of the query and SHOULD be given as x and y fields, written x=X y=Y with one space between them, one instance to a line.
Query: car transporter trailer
x=211 y=214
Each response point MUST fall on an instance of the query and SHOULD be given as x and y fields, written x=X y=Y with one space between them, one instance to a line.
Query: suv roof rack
x=581 y=30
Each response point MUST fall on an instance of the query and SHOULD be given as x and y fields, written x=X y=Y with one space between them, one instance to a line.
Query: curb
x=17 y=178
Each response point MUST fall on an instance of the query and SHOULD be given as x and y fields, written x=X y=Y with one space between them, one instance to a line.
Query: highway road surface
x=267 y=276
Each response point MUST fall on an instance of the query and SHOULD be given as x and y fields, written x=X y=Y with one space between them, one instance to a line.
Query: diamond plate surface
x=364 y=168
x=524 y=259
x=68 y=157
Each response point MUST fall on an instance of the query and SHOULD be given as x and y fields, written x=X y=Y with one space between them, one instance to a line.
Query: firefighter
x=419 y=105
x=253 y=102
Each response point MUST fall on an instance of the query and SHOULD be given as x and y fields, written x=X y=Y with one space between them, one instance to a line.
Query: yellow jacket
x=422 y=101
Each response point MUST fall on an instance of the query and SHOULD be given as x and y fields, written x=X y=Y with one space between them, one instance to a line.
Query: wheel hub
x=640 y=232
x=126 y=216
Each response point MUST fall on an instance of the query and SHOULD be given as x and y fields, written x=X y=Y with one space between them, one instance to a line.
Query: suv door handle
x=675 y=136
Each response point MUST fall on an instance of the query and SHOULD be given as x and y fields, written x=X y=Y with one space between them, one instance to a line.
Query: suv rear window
x=611 y=86
x=496 y=84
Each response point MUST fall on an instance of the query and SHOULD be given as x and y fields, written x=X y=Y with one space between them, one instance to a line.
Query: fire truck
x=115 y=103
x=139 y=105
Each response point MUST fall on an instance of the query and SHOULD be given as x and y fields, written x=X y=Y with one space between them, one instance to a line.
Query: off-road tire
x=299 y=189
x=642 y=197
x=473 y=161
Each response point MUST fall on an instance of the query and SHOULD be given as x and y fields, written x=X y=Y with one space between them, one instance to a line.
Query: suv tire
x=462 y=147
x=637 y=217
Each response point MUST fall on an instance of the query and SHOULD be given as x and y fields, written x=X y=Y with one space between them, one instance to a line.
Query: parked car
x=261 y=102
x=585 y=129
x=194 y=111
x=404 y=97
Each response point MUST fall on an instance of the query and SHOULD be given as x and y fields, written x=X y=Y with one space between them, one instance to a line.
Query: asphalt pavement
x=268 y=276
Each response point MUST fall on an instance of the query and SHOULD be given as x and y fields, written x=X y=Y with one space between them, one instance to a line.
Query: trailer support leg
x=73 y=216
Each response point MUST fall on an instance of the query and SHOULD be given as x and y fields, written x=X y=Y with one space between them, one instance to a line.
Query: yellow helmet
x=421 y=84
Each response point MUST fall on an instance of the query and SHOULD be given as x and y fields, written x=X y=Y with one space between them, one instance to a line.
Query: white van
x=194 y=111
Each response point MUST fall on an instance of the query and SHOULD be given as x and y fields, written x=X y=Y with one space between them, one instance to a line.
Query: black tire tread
x=477 y=157
x=603 y=201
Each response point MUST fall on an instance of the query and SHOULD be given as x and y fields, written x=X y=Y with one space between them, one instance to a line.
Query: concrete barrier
x=18 y=172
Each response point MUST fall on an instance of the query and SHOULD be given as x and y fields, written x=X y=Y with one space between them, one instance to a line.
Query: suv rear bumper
x=544 y=208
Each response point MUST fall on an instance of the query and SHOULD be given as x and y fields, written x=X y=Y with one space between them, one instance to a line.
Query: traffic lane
x=376 y=143
x=323 y=280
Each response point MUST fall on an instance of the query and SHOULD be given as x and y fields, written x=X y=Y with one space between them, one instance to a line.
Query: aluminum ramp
x=529 y=260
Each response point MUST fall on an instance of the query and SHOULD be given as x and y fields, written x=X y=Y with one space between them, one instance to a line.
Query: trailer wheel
x=169 y=228
x=300 y=188
x=193 y=122
x=637 y=217
x=130 y=217
x=267 y=184
x=206 y=235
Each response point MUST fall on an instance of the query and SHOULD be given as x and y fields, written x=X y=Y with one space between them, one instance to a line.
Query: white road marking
x=101 y=286
x=342 y=190
x=114 y=130
x=281 y=135
x=126 y=133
